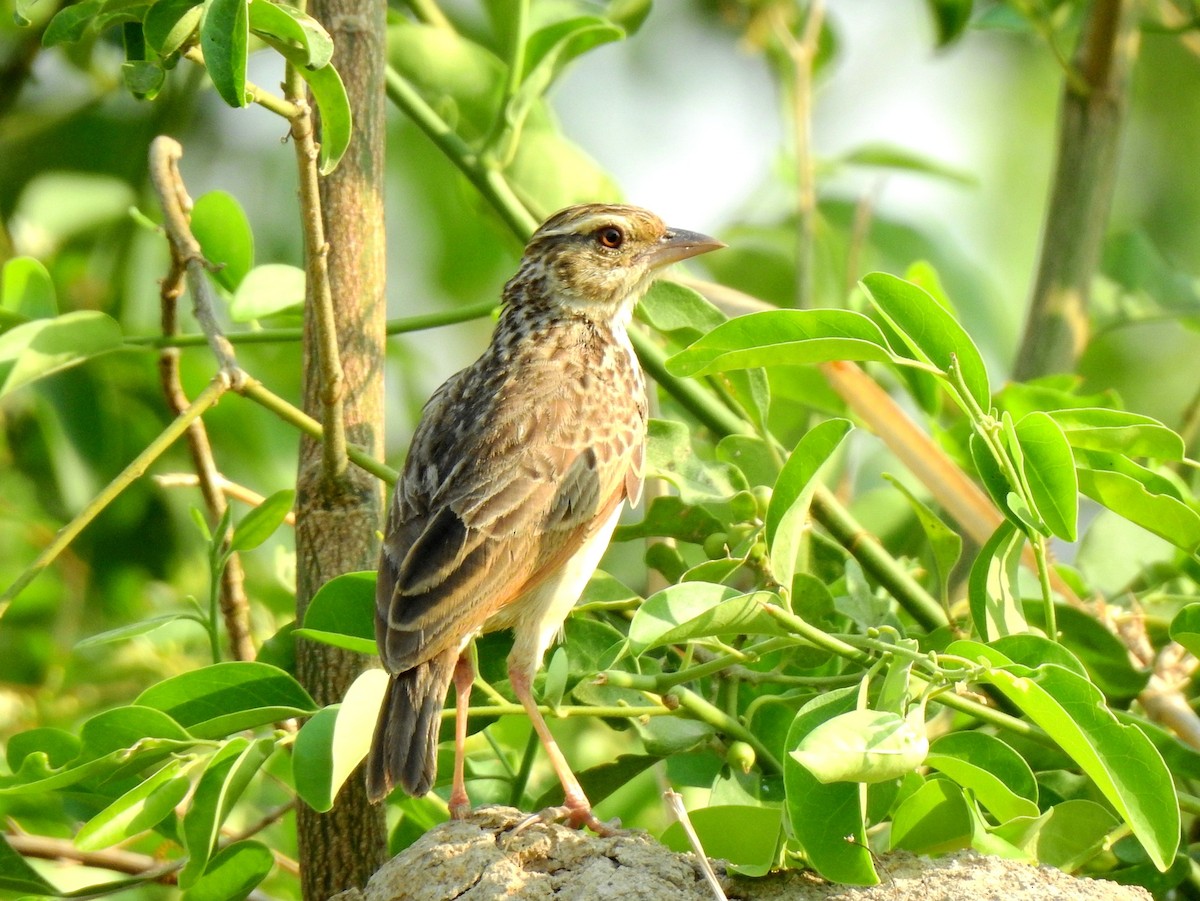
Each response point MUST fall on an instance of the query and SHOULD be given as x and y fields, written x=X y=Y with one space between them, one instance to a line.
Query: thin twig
x=235 y=608
x=255 y=93
x=228 y=487
x=165 y=154
x=117 y=860
x=675 y=804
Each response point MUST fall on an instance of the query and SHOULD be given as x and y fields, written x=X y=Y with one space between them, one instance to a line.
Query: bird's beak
x=677 y=245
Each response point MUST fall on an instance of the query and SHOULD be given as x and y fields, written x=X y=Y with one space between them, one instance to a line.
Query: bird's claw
x=574 y=816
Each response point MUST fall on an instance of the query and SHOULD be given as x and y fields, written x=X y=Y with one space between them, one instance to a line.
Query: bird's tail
x=404 y=749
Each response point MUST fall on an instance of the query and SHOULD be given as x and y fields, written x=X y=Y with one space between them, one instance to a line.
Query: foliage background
x=687 y=118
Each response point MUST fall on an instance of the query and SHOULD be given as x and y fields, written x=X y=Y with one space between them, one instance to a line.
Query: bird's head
x=600 y=258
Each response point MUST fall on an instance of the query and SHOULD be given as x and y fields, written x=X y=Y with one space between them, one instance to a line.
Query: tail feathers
x=404 y=749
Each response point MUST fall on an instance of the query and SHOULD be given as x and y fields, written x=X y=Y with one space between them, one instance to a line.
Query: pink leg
x=464 y=676
x=576 y=809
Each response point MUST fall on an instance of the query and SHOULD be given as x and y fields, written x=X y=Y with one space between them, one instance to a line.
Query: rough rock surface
x=482 y=858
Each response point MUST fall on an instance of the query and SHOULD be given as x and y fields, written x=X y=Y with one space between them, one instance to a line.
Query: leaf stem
x=293 y=415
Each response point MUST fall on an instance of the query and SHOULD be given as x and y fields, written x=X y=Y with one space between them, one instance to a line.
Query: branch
x=173 y=198
x=803 y=54
x=235 y=609
x=1092 y=113
x=319 y=292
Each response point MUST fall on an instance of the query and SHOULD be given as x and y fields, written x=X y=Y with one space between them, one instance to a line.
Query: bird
x=518 y=470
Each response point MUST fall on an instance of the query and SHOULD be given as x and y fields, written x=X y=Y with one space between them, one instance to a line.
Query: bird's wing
x=472 y=526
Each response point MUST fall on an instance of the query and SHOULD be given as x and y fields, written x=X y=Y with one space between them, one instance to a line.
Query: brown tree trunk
x=1093 y=109
x=337 y=517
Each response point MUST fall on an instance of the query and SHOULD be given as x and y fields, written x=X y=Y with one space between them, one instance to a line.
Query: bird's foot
x=460 y=810
x=574 y=815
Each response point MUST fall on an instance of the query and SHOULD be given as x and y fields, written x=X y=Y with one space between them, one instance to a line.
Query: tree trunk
x=1093 y=109
x=338 y=516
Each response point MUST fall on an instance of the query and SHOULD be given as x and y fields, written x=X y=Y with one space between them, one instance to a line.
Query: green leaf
x=602 y=780
x=669 y=456
x=287 y=26
x=131 y=630
x=787 y=512
x=992 y=476
x=931 y=333
x=334 y=742
x=945 y=545
x=266 y=290
x=950 y=17
x=142 y=807
x=36 y=349
x=890 y=156
x=1105 y=657
x=1118 y=432
x=547 y=51
x=996 y=774
x=783 y=338
x=228 y=773
x=27 y=290
x=224 y=38
x=224 y=698
x=233 y=873
x=130 y=737
x=346 y=605
x=934 y=819
x=668 y=516
x=744 y=835
x=169 y=24
x=992 y=586
x=143 y=78
x=674 y=308
x=337 y=121
x=58 y=746
x=1119 y=759
x=1185 y=628
x=864 y=746
x=690 y=610
x=71 y=23
x=220 y=225
x=260 y=523
x=1161 y=514
x=1066 y=836
x=827 y=820
x=1050 y=470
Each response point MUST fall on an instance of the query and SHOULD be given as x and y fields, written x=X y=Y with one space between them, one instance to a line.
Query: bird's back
x=514 y=459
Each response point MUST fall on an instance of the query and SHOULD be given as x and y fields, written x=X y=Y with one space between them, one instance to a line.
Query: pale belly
x=537 y=617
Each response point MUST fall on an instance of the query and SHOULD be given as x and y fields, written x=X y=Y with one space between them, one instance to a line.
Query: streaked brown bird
x=512 y=487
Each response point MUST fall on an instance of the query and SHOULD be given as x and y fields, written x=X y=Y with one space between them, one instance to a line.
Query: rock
x=482 y=858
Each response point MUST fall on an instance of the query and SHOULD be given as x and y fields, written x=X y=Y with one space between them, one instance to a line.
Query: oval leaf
x=224 y=38
x=783 y=338
x=932 y=334
x=334 y=742
x=1050 y=470
x=260 y=523
x=34 y=350
x=227 y=697
x=233 y=873
x=827 y=819
x=220 y=225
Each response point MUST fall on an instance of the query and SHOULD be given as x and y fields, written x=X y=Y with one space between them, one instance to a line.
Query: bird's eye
x=611 y=237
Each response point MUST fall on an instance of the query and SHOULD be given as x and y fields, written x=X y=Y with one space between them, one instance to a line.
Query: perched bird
x=512 y=487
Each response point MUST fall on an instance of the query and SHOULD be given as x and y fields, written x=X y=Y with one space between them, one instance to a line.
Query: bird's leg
x=576 y=809
x=464 y=677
